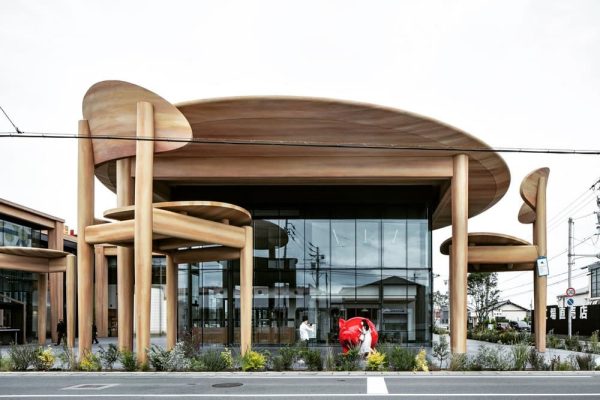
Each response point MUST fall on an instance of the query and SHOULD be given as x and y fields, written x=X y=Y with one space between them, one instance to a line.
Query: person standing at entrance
x=365 y=338
x=94 y=334
x=61 y=329
x=305 y=328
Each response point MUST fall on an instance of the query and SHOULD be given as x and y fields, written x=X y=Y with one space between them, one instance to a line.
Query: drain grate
x=227 y=385
x=91 y=386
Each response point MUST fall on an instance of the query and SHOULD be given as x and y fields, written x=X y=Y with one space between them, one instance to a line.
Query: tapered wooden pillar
x=71 y=299
x=101 y=291
x=42 y=307
x=540 y=282
x=85 y=251
x=125 y=286
x=56 y=280
x=458 y=262
x=171 y=302
x=246 y=291
x=143 y=227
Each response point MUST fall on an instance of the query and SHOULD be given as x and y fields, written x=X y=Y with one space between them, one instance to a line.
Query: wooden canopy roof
x=240 y=141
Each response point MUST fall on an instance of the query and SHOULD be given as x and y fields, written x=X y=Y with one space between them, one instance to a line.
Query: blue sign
x=570 y=302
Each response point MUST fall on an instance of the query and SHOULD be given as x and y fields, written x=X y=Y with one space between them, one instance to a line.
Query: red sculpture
x=351 y=331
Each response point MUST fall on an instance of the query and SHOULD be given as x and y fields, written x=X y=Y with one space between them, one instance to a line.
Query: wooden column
x=540 y=282
x=56 y=280
x=125 y=286
x=171 y=302
x=458 y=284
x=246 y=291
x=85 y=251
x=101 y=291
x=71 y=300
x=42 y=307
x=143 y=227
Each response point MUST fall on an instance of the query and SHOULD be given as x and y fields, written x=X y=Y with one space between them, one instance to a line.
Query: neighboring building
x=19 y=307
x=510 y=311
x=594 y=283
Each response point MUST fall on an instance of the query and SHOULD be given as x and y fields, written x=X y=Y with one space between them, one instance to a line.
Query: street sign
x=570 y=292
x=570 y=301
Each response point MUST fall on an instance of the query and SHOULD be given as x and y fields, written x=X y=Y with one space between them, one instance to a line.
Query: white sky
x=513 y=73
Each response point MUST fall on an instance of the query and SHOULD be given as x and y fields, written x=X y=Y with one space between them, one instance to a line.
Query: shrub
x=191 y=343
x=348 y=361
x=401 y=359
x=44 y=359
x=313 y=359
x=90 y=362
x=594 y=345
x=330 y=360
x=553 y=341
x=520 y=352
x=585 y=362
x=572 y=343
x=557 y=365
x=68 y=359
x=421 y=361
x=21 y=357
x=109 y=356
x=253 y=361
x=4 y=363
x=287 y=356
x=489 y=358
x=537 y=360
x=459 y=362
x=376 y=361
x=441 y=350
x=128 y=360
x=169 y=360
x=216 y=361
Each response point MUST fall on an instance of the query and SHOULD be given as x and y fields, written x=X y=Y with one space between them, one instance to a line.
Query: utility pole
x=570 y=266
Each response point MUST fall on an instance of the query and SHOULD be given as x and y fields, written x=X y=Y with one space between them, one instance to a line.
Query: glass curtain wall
x=325 y=266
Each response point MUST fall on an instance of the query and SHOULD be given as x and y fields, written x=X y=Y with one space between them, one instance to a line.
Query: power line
x=10 y=120
x=47 y=135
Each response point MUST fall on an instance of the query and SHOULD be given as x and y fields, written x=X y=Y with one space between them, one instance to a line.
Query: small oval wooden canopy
x=48 y=254
x=268 y=235
x=341 y=129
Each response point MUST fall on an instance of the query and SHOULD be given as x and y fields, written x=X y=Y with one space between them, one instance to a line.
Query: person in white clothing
x=305 y=328
x=365 y=337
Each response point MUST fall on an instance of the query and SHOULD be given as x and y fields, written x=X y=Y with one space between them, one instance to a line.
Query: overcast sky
x=513 y=73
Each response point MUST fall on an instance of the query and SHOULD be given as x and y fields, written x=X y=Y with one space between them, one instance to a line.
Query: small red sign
x=570 y=292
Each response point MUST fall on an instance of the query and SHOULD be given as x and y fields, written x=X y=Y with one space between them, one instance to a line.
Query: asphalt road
x=118 y=385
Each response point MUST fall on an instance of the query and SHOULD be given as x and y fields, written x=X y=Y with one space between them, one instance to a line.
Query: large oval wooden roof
x=327 y=124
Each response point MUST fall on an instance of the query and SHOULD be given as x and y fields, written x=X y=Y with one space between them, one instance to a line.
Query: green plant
x=490 y=358
x=537 y=360
x=348 y=361
x=585 y=362
x=191 y=343
x=557 y=365
x=253 y=361
x=376 y=361
x=459 y=362
x=401 y=359
x=286 y=357
x=572 y=343
x=128 y=360
x=169 y=360
x=520 y=352
x=421 y=361
x=109 y=356
x=553 y=341
x=216 y=361
x=594 y=345
x=313 y=359
x=330 y=360
x=441 y=350
x=68 y=359
x=21 y=357
x=90 y=362
x=44 y=359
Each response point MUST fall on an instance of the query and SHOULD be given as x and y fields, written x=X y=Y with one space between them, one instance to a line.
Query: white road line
x=376 y=385
x=293 y=395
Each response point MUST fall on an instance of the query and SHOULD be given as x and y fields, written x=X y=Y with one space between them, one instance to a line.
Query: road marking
x=262 y=395
x=91 y=386
x=376 y=385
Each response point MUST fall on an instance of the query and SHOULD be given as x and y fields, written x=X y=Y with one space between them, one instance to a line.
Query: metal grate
x=227 y=385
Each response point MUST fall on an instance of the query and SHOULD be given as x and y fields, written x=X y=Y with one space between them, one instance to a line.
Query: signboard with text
x=584 y=319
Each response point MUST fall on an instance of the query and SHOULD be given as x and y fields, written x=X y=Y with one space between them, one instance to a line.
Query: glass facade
x=374 y=263
x=18 y=285
x=595 y=282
